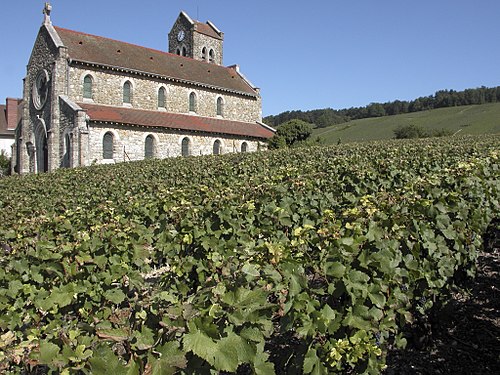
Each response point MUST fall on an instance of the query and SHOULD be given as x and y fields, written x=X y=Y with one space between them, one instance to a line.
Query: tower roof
x=208 y=29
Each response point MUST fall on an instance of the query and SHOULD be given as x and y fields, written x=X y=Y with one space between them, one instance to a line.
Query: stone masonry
x=55 y=131
x=108 y=90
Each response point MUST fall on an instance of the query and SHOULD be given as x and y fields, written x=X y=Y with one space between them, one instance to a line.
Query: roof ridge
x=143 y=47
x=121 y=41
x=146 y=60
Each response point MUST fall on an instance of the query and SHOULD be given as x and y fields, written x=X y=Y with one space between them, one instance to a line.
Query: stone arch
x=186 y=145
x=150 y=141
x=130 y=82
x=217 y=147
x=162 y=97
x=193 y=102
x=244 y=147
x=88 y=88
x=115 y=145
x=220 y=104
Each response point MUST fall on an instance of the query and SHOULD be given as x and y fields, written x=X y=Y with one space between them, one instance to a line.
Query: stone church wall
x=200 y=41
x=42 y=58
x=108 y=90
x=129 y=143
x=180 y=24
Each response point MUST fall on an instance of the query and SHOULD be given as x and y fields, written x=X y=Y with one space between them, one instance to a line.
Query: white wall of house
x=5 y=146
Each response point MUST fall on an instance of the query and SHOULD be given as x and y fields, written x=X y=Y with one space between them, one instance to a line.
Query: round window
x=40 y=90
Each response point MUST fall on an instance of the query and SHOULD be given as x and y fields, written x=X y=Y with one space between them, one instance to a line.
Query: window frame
x=193 y=102
x=149 y=152
x=108 y=145
x=127 y=92
x=186 y=147
x=162 y=98
x=88 y=87
x=217 y=147
x=220 y=106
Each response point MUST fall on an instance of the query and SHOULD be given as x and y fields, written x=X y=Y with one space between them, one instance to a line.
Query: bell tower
x=197 y=40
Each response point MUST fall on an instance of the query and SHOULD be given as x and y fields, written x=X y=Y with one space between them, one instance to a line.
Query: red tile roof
x=159 y=119
x=204 y=28
x=111 y=53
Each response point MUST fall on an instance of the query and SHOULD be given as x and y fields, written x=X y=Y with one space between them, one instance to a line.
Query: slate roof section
x=160 y=119
x=106 y=52
x=3 y=120
x=9 y=121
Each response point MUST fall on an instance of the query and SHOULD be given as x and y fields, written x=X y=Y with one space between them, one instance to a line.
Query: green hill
x=471 y=119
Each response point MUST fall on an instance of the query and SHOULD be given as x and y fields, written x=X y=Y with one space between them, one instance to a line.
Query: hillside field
x=471 y=119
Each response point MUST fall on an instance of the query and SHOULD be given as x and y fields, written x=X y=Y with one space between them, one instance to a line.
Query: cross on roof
x=46 y=12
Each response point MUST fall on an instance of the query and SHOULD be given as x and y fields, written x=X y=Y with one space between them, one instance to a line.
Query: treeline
x=441 y=99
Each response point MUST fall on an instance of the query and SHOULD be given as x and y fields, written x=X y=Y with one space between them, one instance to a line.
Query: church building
x=89 y=99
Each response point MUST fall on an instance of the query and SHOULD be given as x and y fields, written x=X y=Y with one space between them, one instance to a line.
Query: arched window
x=186 y=147
x=184 y=51
x=204 y=54
x=87 y=87
x=107 y=146
x=41 y=147
x=178 y=51
x=211 y=56
x=217 y=147
x=127 y=92
x=161 y=98
x=192 y=102
x=220 y=106
x=149 y=147
x=244 y=147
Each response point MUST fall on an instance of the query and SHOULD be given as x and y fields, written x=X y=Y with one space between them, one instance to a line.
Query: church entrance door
x=42 y=152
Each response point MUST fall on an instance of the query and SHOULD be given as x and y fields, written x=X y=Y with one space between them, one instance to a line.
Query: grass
x=471 y=119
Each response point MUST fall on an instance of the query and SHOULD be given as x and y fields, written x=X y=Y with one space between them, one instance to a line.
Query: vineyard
x=296 y=261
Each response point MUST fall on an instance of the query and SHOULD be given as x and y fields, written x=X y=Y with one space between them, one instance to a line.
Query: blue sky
x=303 y=55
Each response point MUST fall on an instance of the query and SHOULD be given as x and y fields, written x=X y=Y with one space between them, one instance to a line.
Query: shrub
x=410 y=131
x=290 y=133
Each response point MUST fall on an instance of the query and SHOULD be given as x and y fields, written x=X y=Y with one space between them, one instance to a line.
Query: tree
x=290 y=133
x=4 y=164
x=375 y=110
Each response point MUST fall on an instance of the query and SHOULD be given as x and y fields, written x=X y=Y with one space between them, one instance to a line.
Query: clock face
x=180 y=36
x=40 y=90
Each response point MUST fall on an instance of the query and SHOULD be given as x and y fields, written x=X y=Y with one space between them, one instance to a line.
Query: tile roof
x=204 y=28
x=112 y=53
x=3 y=120
x=160 y=119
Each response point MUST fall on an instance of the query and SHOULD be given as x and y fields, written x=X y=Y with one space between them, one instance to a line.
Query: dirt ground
x=463 y=338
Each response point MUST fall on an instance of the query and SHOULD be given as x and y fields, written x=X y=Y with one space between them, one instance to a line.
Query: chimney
x=11 y=109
